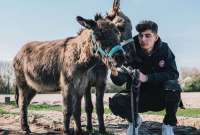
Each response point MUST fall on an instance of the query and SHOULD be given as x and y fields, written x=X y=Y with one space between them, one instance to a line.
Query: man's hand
x=142 y=77
x=113 y=69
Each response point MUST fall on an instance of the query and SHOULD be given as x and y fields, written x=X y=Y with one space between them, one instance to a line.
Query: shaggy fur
x=98 y=74
x=64 y=65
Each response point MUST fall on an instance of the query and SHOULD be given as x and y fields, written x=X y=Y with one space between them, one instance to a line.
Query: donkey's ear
x=114 y=11
x=90 y=24
x=116 y=5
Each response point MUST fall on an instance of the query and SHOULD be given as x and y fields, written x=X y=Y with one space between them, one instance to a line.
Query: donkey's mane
x=80 y=31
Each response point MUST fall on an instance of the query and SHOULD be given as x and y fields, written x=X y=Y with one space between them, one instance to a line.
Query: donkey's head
x=105 y=39
x=123 y=23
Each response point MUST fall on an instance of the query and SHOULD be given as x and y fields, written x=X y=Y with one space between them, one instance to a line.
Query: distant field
x=190 y=99
x=189 y=112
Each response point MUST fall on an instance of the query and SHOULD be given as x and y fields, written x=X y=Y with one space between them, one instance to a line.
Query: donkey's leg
x=99 y=105
x=67 y=109
x=30 y=95
x=77 y=113
x=25 y=96
x=88 y=107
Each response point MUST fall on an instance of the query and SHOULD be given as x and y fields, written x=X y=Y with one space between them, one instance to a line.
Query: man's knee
x=119 y=104
x=172 y=90
x=172 y=85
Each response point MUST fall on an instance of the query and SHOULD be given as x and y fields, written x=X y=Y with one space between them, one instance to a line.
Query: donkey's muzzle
x=119 y=59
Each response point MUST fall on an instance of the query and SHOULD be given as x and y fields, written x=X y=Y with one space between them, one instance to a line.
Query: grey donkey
x=99 y=71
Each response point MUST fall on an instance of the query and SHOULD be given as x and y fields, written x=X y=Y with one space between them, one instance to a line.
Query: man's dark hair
x=147 y=25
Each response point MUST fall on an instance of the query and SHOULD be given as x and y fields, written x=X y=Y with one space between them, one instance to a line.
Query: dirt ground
x=50 y=122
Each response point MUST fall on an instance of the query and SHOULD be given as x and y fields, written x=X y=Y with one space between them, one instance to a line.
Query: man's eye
x=148 y=36
x=145 y=35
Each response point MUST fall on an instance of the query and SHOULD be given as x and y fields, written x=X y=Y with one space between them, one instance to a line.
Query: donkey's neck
x=78 y=54
x=87 y=56
x=85 y=46
x=79 y=50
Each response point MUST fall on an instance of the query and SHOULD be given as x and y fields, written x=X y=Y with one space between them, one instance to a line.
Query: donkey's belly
x=41 y=85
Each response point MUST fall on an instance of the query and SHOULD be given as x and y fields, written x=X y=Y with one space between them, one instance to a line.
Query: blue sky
x=22 y=21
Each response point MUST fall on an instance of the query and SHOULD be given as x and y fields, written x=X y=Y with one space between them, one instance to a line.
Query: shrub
x=6 y=78
x=193 y=85
x=3 y=86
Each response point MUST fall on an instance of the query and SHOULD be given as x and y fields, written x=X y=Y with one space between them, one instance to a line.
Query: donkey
x=99 y=72
x=65 y=65
x=124 y=24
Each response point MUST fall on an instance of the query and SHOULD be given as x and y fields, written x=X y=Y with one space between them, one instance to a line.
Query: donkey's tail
x=16 y=95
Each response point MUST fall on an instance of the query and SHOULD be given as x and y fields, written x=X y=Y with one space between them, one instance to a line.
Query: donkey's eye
x=121 y=28
x=98 y=35
x=116 y=31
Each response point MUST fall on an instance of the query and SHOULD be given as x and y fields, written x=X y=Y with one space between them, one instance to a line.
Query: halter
x=97 y=47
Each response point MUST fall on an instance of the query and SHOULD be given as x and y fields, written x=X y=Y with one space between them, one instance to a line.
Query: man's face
x=147 y=40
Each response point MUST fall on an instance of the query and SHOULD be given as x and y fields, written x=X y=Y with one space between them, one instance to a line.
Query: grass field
x=190 y=112
x=3 y=111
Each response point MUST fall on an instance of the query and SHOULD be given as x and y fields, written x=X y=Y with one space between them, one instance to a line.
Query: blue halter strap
x=115 y=49
x=111 y=52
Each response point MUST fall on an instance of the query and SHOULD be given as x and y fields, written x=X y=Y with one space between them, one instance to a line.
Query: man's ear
x=156 y=37
x=89 y=24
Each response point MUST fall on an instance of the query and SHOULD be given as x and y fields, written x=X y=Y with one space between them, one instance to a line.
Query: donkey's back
x=38 y=65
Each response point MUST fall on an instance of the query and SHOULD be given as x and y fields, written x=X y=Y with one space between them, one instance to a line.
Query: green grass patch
x=107 y=110
x=189 y=112
x=12 y=103
x=3 y=112
x=46 y=107
x=39 y=107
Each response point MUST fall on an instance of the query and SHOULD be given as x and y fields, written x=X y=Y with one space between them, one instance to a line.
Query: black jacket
x=160 y=66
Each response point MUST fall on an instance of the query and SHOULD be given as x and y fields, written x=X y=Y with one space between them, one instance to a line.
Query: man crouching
x=158 y=76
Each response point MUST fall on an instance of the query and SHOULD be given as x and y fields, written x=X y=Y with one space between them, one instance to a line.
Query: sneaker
x=139 y=120
x=130 y=126
x=167 y=130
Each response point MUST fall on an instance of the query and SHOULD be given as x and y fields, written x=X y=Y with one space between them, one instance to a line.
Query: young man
x=158 y=76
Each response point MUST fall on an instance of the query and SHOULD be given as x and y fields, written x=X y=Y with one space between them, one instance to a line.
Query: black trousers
x=149 y=100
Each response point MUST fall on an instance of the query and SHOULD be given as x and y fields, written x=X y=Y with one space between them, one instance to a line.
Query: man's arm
x=120 y=78
x=170 y=73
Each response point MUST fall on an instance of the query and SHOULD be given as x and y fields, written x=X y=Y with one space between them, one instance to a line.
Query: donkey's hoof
x=89 y=127
x=102 y=130
x=85 y=133
x=69 y=132
x=81 y=132
x=26 y=130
